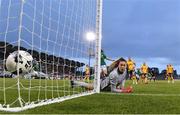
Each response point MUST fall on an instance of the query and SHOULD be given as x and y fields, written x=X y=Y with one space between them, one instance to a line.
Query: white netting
x=54 y=33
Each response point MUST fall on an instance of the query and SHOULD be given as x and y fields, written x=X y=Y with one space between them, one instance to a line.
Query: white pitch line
x=140 y=94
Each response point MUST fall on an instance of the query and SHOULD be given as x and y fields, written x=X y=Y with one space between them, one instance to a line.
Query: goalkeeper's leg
x=81 y=84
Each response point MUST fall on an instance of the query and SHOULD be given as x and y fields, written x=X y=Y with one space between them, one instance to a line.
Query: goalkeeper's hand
x=129 y=89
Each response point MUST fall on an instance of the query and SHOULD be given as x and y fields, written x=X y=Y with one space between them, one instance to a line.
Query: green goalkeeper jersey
x=103 y=57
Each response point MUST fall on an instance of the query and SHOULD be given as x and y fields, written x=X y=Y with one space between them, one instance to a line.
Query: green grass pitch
x=152 y=98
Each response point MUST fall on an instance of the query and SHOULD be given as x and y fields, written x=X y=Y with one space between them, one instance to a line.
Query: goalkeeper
x=115 y=82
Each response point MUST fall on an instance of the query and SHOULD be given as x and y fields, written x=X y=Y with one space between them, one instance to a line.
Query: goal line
x=139 y=94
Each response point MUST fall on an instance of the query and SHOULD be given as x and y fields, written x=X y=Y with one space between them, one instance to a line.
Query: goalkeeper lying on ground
x=114 y=82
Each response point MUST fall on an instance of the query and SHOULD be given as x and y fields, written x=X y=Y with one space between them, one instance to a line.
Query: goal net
x=44 y=44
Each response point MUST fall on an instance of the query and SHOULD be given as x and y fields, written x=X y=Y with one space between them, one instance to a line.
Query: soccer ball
x=24 y=64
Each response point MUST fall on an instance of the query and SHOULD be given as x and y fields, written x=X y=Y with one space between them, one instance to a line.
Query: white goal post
x=54 y=33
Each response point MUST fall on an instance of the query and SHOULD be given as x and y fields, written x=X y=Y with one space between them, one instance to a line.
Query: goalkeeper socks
x=83 y=84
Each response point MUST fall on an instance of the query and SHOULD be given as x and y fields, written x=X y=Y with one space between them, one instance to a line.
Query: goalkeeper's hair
x=122 y=59
x=117 y=63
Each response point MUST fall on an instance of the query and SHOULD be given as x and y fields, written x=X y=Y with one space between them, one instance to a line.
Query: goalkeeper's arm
x=121 y=89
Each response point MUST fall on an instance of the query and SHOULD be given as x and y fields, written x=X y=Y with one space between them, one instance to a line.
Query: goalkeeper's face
x=122 y=66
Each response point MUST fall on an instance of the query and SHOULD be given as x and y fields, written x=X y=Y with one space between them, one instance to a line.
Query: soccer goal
x=44 y=44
